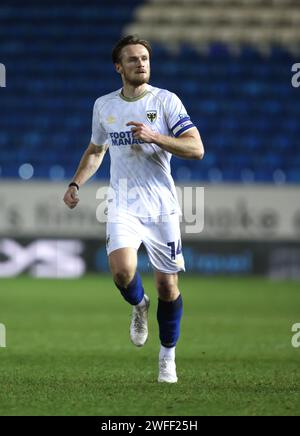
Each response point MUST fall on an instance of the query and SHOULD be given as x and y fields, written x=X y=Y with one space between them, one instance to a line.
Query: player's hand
x=142 y=131
x=71 y=198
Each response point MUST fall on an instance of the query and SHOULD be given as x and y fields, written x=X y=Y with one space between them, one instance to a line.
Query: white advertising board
x=217 y=212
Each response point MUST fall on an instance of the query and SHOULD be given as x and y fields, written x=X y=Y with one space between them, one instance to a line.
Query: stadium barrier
x=245 y=230
x=72 y=258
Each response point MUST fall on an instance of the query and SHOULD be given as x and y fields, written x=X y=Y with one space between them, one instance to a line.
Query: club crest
x=152 y=115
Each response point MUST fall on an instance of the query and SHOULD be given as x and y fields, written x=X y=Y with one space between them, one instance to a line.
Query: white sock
x=167 y=353
x=141 y=304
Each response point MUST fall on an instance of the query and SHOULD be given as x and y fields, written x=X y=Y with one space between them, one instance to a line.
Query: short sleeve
x=99 y=135
x=177 y=117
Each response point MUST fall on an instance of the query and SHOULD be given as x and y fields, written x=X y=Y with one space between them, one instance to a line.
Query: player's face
x=134 y=65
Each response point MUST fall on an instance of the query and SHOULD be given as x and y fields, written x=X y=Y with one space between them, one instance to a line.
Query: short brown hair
x=129 y=40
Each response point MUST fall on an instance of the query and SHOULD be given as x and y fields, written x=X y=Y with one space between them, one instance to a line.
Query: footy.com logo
x=139 y=201
x=2 y=76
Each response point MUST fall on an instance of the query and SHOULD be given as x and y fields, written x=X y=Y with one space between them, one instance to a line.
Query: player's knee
x=167 y=291
x=123 y=277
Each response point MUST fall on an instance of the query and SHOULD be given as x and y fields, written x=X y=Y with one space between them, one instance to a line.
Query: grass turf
x=68 y=350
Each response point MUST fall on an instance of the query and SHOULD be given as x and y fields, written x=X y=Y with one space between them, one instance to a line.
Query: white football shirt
x=141 y=183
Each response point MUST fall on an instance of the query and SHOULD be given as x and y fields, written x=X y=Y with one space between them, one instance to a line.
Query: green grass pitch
x=68 y=349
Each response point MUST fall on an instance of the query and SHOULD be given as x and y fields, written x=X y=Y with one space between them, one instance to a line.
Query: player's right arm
x=89 y=164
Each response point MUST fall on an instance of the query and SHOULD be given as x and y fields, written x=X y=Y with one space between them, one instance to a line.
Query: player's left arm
x=188 y=145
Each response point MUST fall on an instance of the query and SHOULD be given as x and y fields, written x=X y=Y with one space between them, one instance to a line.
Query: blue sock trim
x=169 y=315
x=134 y=292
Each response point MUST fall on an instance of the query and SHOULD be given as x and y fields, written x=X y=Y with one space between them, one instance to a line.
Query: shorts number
x=174 y=252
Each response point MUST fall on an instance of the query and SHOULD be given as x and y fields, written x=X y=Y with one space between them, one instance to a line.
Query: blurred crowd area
x=230 y=61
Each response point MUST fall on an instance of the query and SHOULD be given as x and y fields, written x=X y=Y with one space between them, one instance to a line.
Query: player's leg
x=122 y=243
x=169 y=313
x=123 y=264
x=163 y=243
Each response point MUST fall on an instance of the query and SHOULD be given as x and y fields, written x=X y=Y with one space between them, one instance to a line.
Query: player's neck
x=130 y=91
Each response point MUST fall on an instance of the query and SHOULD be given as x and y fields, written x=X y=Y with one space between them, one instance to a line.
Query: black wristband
x=74 y=184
